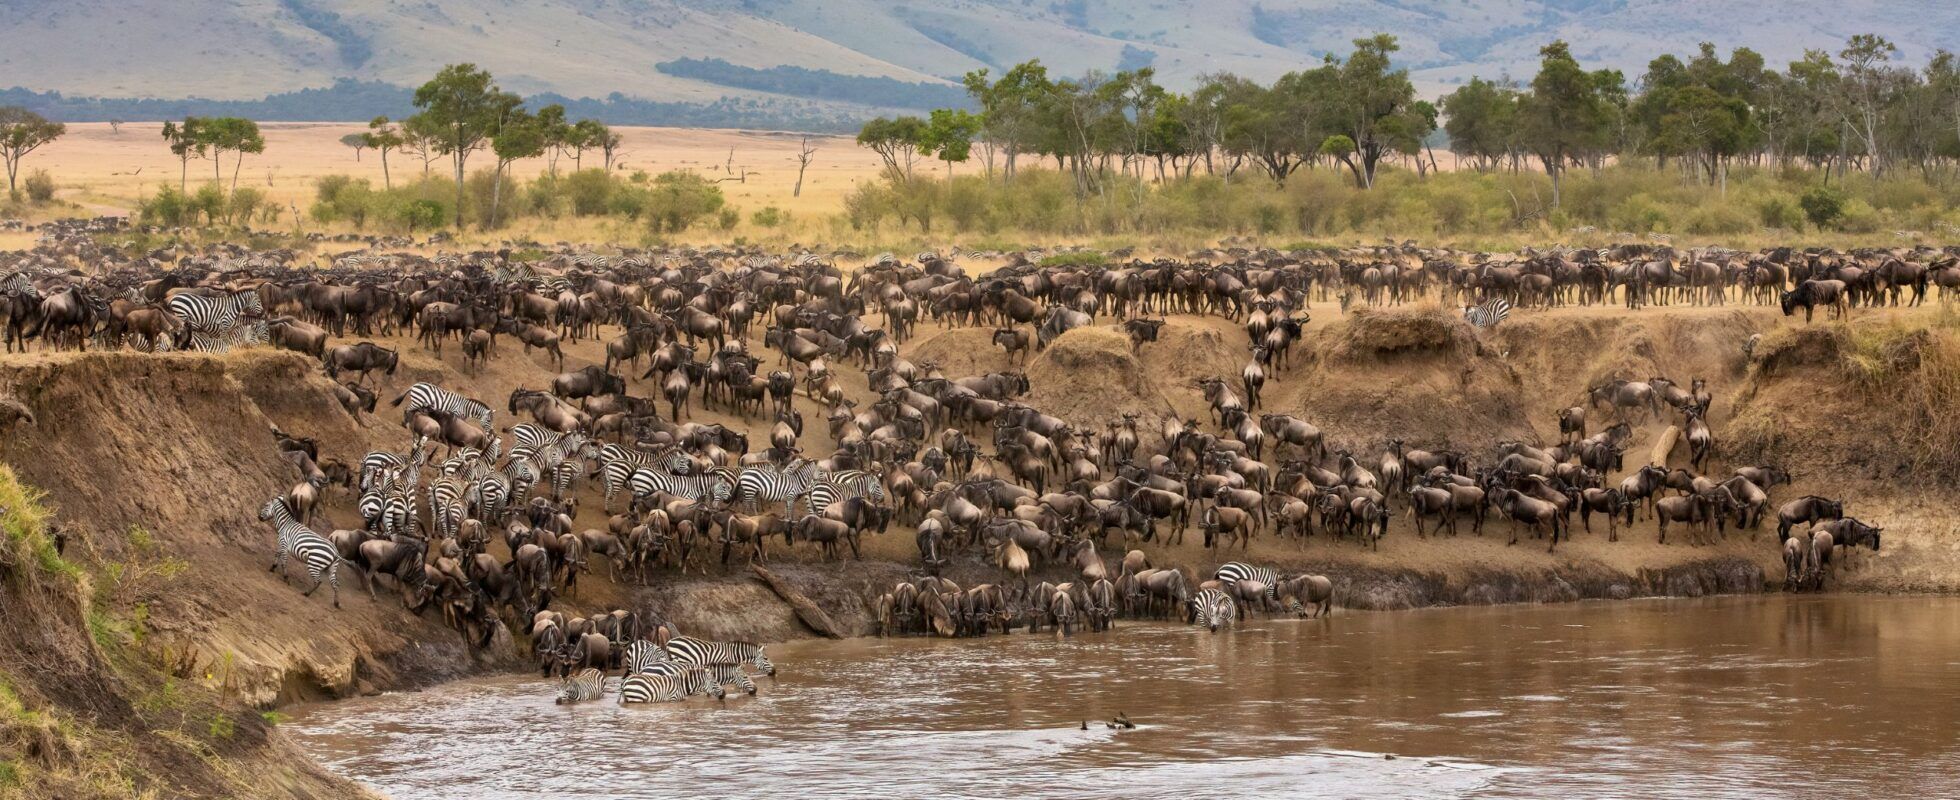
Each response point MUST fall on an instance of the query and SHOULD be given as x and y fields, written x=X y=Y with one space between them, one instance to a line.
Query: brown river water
x=1740 y=697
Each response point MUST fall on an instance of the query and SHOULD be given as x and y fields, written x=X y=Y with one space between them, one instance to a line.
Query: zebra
x=617 y=463
x=1488 y=314
x=1232 y=572
x=215 y=316
x=699 y=678
x=760 y=485
x=382 y=465
x=644 y=688
x=447 y=504
x=712 y=486
x=430 y=397
x=588 y=684
x=298 y=541
x=689 y=650
x=640 y=655
x=1213 y=609
x=489 y=495
x=844 y=484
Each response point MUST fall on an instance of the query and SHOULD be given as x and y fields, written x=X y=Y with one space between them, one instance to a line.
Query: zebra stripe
x=642 y=688
x=300 y=542
x=430 y=397
x=844 y=485
x=1489 y=314
x=698 y=679
x=215 y=316
x=588 y=684
x=715 y=485
x=689 y=650
x=1231 y=572
x=1213 y=609
x=759 y=485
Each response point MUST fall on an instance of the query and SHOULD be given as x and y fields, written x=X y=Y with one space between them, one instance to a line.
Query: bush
x=1822 y=205
x=591 y=192
x=40 y=186
x=769 y=217
x=1859 y=217
x=1717 y=218
x=677 y=200
x=729 y=218
x=1780 y=211
x=168 y=208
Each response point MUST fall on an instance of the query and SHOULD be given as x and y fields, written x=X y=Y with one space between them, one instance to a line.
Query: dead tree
x=803 y=157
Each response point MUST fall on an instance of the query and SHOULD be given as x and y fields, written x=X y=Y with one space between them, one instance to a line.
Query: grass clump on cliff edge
x=25 y=521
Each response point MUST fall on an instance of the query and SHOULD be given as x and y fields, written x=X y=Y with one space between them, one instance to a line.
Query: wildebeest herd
x=964 y=461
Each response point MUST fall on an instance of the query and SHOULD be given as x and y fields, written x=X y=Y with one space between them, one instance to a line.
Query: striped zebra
x=382 y=465
x=698 y=678
x=302 y=543
x=258 y=333
x=16 y=284
x=844 y=484
x=489 y=495
x=639 y=655
x=689 y=650
x=1231 y=572
x=215 y=316
x=768 y=484
x=617 y=463
x=430 y=397
x=588 y=684
x=448 y=505
x=1213 y=609
x=1487 y=314
x=713 y=486
x=645 y=688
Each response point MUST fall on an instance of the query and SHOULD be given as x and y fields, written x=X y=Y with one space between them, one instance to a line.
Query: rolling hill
x=248 y=49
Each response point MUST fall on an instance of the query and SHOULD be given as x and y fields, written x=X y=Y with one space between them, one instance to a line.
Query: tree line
x=1860 y=109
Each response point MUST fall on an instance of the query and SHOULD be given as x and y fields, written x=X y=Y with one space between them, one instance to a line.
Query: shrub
x=1822 y=205
x=1780 y=211
x=1859 y=217
x=1717 y=218
x=769 y=217
x=40 y=186
x=168 y=208
x=677 y=200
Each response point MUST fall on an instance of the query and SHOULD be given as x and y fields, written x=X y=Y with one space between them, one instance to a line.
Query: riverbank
x=148 y=461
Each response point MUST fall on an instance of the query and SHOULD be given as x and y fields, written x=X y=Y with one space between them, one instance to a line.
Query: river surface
x=1745 y=697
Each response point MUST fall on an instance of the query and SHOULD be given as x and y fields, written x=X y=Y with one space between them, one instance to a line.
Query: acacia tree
x=586 y=134
x=21 y=132
x=186 y=142
x=1482 y=120
x=383 y=136
x=949 y=137
x=896 y=141
x=1373 y=106
x=236 y=134
x=519 y=135
x=556 y=132
x=462 y=108
x=1564 y=116
x=357 y=142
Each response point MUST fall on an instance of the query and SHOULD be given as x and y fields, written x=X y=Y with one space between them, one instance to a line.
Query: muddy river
x=1720 y=698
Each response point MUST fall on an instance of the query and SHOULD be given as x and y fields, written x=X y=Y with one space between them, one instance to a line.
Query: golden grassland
x=105 y=171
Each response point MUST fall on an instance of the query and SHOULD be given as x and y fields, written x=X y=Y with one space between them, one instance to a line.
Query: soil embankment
x=145 y=459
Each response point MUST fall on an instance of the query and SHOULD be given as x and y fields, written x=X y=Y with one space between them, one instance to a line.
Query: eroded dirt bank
x=147 y=461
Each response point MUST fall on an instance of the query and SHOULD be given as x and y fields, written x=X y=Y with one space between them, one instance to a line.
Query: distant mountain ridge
x=812 y=60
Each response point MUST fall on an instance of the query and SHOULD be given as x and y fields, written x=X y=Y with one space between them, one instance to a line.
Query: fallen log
x=1664 y=446
x=806 y=609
